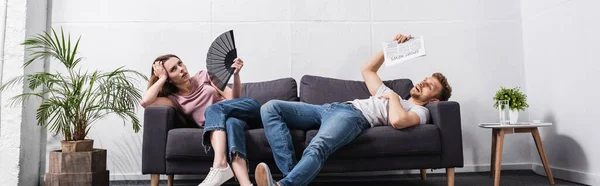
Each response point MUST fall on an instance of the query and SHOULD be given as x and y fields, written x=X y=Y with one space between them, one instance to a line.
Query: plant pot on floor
x=77 y=164
x=77 y=146
x=72 y=101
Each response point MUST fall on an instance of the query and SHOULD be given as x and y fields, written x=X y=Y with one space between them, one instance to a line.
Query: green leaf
x=75 y=99
x=517 y=100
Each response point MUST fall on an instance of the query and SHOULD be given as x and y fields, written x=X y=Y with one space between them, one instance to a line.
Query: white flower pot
x=514 y=116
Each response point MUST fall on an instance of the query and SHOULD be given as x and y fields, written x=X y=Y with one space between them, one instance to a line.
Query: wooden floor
x=509 y=177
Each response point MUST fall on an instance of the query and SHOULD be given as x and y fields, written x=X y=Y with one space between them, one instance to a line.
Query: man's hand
x=370 y=68
x=389 y=95
x=402 y=38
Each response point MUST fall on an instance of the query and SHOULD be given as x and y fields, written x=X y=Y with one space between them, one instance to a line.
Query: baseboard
x=569 y=175
x=467 y=168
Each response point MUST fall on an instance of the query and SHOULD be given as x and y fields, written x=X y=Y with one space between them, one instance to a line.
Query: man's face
x=426 y=90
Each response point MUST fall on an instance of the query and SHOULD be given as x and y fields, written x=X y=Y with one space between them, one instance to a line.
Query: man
x=340 y=123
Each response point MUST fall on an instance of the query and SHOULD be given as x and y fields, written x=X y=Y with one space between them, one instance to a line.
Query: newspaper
x=396 y=53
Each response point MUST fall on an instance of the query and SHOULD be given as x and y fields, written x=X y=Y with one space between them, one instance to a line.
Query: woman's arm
x=150 y=96
x=236 y=90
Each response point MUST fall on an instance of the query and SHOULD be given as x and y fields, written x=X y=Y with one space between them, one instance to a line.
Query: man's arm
x=370 y=68
x=369 y=73
x=397 y=116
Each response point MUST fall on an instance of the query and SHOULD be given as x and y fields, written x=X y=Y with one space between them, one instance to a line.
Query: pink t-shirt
x=202 y=94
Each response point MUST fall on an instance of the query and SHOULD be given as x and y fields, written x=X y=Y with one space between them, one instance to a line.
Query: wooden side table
x=498 y=132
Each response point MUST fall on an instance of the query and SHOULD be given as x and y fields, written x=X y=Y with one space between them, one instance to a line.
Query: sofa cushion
x=280 y=89
x=385 y=141
x=186 y=144
x=321 y=90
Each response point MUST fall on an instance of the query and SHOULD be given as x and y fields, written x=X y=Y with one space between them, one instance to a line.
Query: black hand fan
x=219 y=59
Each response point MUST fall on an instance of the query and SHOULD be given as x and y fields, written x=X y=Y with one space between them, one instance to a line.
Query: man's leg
x=278 y=118
x=341 y=124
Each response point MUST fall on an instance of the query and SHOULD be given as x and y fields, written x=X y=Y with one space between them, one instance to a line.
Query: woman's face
x=176 y=70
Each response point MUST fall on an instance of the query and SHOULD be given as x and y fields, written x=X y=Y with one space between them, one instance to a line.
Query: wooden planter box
x=78 y=168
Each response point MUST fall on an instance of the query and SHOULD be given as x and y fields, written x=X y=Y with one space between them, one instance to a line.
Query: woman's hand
x=237 y=64
x=159 y=69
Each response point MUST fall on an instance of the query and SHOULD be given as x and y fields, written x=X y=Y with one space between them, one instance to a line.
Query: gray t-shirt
x=376 y=110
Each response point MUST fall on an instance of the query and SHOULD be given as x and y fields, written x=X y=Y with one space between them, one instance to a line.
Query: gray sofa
x=172 y=143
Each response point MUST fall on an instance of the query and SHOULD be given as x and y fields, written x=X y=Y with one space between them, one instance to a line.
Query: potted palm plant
x=73 y=100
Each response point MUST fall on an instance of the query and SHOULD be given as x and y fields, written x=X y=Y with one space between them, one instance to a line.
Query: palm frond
x=12 y=82
x=76 y=99
x=40 y=78
x=52 y=109
x=18 y=99
x=72 y=56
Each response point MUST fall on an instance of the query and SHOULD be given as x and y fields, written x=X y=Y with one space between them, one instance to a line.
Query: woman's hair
x=167 y=88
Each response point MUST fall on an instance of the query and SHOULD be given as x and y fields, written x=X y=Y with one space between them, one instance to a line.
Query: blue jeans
x=338 y=124
x=231 y=116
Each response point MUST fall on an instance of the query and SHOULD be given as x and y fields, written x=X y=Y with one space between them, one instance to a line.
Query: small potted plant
x=517 y=101
x=72 y=101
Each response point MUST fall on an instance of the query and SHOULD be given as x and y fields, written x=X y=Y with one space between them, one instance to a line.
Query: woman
x=222 y=116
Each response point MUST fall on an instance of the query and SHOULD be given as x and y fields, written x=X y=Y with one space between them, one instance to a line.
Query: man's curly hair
x=446 y=92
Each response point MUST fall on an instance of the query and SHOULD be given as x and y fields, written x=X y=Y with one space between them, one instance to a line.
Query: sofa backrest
x=280 y=89
x=321 y=90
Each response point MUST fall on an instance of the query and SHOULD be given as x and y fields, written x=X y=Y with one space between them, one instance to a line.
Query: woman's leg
x=218 y=141
x=220 y=172
x=217 y=114
x=215 y=137
x=240 y=168
x=228 y=117
x=246 y=109
x=236 y=145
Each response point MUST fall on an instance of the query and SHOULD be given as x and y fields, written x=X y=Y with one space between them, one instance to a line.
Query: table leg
x=154 y=179
x=170 y=180
x=493 y=154
x=498 y=158
x=450 y=176
x=538 y=143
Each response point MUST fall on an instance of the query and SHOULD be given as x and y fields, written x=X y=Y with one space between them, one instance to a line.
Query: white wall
x=20 y=149
x=560 y=41
x=31 y=158
x=11 y=117
x=476 y=44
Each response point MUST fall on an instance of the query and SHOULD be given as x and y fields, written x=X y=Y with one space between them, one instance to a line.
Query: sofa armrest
x=158 y=120
x=446 y=115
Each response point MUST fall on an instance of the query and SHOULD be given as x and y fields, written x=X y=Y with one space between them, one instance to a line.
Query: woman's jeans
x=231 y=116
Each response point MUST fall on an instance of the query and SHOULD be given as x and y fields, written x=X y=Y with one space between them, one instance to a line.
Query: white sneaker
x=217 y=177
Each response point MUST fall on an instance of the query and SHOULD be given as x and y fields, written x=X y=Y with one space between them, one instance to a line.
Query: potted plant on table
x=72 y=101
x=517 y=101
